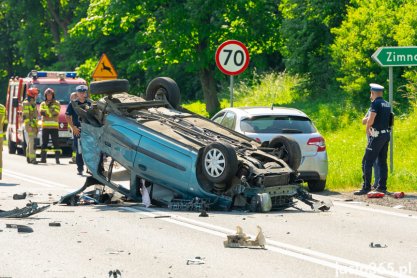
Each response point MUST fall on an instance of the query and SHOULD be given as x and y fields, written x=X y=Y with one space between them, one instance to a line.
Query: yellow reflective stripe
x=50 y=124
x=51 y=150
x=1 y=133
x=31 y=155
x=1 y=170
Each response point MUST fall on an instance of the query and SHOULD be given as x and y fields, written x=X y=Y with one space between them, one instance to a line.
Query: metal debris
x=240 y=239
x=28 y=210
x=115 y=273
x=157 y=216
x=20 y=228
x=196 y=260
x=377 y=245
x=195 y=204
x=19 y=196
x=203 y=214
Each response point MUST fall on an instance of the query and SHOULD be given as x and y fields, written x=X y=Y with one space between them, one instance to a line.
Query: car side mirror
x=15 y=102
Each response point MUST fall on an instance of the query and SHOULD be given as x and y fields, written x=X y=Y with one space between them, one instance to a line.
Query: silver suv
x=272 y=125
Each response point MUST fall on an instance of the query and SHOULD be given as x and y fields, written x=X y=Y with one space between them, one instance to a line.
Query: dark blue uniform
x=75 y=120
x=377 y=147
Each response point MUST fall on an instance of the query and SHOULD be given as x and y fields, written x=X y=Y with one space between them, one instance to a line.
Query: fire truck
x=63 y=83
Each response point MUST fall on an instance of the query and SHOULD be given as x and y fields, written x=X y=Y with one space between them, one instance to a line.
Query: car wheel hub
x=214 y=162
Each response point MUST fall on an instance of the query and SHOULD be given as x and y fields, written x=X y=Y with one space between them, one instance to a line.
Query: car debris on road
x=196 y=260
x=30 y=209
x=240 y=239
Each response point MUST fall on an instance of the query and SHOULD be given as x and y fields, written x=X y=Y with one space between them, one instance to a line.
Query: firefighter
x=30 y=127
x=49 y=110
x=3 y=124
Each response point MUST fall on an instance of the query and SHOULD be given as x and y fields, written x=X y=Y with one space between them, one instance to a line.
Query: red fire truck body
x=63 y=83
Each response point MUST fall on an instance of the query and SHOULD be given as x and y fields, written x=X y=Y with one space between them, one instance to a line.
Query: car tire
x=167 y=87
x=219 y=162
x=287 y=150
x=12 y=146
x=316 y=185
x=109 y=87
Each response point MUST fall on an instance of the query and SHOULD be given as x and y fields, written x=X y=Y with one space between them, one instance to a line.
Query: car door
x=121 y=142
x=163 y=162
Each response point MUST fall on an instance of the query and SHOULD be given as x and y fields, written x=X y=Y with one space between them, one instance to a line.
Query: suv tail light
x=319 y=142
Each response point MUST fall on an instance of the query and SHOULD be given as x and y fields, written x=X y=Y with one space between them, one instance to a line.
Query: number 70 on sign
x=232 y=57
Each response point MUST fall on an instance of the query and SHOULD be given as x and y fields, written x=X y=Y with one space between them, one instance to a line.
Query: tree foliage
x=306 y=31
x=328 y=42
x=369 y=25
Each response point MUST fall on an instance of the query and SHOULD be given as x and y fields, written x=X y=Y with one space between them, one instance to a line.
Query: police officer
x=3 y=123
x=378 y=131
x=30 y=125
x=375 y=166
x=49 y=110
x=73 y=121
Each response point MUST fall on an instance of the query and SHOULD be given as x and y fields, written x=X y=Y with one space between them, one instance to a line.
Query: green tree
x=183 y=35
x=368 y=25
x=306 y=33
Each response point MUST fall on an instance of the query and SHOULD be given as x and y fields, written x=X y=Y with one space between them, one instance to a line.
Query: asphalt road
x=133 y=240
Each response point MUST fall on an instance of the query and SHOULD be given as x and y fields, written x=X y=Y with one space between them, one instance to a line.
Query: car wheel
x=109 y=87
x=288 y=150
x=219 y=162
x=316 y=185
x=12 y=146
x=164 y=87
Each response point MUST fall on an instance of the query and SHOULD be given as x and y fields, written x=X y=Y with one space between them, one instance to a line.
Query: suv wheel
x=219 y=162
x=164 y=88
x=316 y=185
x=288 y=150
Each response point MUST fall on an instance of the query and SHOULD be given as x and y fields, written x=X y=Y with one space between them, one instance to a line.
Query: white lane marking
x=33 y=179
x=391 y=213
x=341 y=265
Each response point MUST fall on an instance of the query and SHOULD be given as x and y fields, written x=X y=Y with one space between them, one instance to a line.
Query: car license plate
x=64 y=133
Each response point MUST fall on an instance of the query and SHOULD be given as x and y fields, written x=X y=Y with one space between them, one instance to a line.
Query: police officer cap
x=81 y=88
x=376 y=87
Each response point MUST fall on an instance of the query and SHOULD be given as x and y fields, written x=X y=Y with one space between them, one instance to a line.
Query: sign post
x=394 y=56
x=232 y=58
x=104 y=69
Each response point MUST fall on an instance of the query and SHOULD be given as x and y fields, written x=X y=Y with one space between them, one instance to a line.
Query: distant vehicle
x=278 y=127
x=63 y=83
x=177 y=154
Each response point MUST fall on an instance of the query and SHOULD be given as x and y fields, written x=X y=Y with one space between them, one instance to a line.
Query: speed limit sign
x=232 y=57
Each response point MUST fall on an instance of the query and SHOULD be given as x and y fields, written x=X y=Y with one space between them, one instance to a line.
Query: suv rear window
x=277 y=124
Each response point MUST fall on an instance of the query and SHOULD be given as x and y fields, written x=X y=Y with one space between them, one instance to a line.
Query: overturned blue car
x=181 y=157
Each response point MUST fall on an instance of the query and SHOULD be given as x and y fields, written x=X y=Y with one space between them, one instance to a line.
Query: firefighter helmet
x=49 y=91
x=33 y=92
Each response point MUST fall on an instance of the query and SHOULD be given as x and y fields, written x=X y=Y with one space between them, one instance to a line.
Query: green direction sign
x=396 y=56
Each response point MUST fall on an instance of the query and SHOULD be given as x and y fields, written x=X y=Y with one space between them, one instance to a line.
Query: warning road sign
x=104 y=69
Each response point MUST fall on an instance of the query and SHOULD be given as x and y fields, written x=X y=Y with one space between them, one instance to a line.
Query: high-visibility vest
x=50 y=113
x=3 y=119
x=30 y=114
